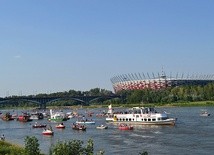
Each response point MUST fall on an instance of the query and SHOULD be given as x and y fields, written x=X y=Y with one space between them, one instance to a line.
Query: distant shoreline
x=179 y=104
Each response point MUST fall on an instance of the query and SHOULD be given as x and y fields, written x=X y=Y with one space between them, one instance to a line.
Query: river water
x=192 y=134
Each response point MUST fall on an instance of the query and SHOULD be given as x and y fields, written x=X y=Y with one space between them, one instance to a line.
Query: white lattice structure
x=141 y=81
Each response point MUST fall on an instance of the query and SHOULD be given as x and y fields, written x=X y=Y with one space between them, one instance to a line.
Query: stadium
x=140 y=81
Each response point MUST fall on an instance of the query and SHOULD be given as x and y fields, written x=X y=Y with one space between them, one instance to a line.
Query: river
x=192 y=134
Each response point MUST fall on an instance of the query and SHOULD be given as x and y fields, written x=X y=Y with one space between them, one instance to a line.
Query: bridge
x=43 y=101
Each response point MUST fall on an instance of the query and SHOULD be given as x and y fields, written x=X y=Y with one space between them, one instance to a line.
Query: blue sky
x=50 y=46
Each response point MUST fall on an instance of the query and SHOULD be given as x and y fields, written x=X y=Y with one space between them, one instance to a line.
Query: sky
x=49 y=46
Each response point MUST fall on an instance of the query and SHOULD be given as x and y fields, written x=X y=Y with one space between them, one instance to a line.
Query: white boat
x=204 y=113
x=60 y=126
x=102 y=127
x=36 y=116
x=110 y=115
x=85 y=122
x=47 y=132
x=143 y=116
x=56 y=117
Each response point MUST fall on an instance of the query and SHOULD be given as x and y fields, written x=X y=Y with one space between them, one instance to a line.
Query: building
x=140 y=81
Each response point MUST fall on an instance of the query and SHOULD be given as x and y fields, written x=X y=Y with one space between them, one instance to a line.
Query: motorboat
x=143 y=116
x=7 y=117
x=60 y=126
x=78 y=127
x=110 y=115
x=102 y=127
x=56 y=116
x=36 y=125
x=204 y=113
x=47 y=132
x=85 y=121
x=25 y=117
x=36 y=116
x=125 y=127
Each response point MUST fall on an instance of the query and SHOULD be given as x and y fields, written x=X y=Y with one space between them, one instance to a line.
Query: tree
x=32 y=146
x=72 y=147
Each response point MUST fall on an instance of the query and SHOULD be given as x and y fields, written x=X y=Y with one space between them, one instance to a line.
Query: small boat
x=102 y=127
x=36 y=116
x=125 y=127
x=56 y=116
x=85 y=122
x=204 y=113
x=48 y=131
x=110 y=114
x=60 y=126
x=36 y=125
x=25 y=117
x=7 y=117
x=79 y=127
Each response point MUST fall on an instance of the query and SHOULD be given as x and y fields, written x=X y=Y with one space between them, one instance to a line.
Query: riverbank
x=9 y=148
x=177 y=104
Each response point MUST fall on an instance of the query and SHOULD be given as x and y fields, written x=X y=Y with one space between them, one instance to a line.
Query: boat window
x=123 y=119
x=126 y=119
x=130 y=119
x=153 y=119
x=149 y=119
x=145 y=119
x=137 y=115
x=159 y=119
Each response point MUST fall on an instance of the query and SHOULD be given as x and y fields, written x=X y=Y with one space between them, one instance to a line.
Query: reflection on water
x=192 y=134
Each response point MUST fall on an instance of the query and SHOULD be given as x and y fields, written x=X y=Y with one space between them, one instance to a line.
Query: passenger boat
x=102 y=127
x=143 y=116
x=125 y=127
x=36 y=125
x=79 y=127
x=60 y=126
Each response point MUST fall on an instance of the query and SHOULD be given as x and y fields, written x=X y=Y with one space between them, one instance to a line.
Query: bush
x=72 y=147
x=32 y=146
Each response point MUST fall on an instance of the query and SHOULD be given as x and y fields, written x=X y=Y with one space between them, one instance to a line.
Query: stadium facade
x=140 y=81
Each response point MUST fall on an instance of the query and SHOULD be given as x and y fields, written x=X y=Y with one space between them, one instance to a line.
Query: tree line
x=188 y=93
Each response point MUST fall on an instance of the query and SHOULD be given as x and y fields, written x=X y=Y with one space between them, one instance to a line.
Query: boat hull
x=163 y=122
x=102 y=127
x=81 y=122
x=60 y=127
x=126 y=128
x=39 y=126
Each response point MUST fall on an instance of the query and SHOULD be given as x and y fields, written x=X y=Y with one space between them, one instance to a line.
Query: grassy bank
x=10 y=149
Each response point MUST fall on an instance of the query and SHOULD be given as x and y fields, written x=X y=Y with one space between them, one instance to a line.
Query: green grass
x=10 y=149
